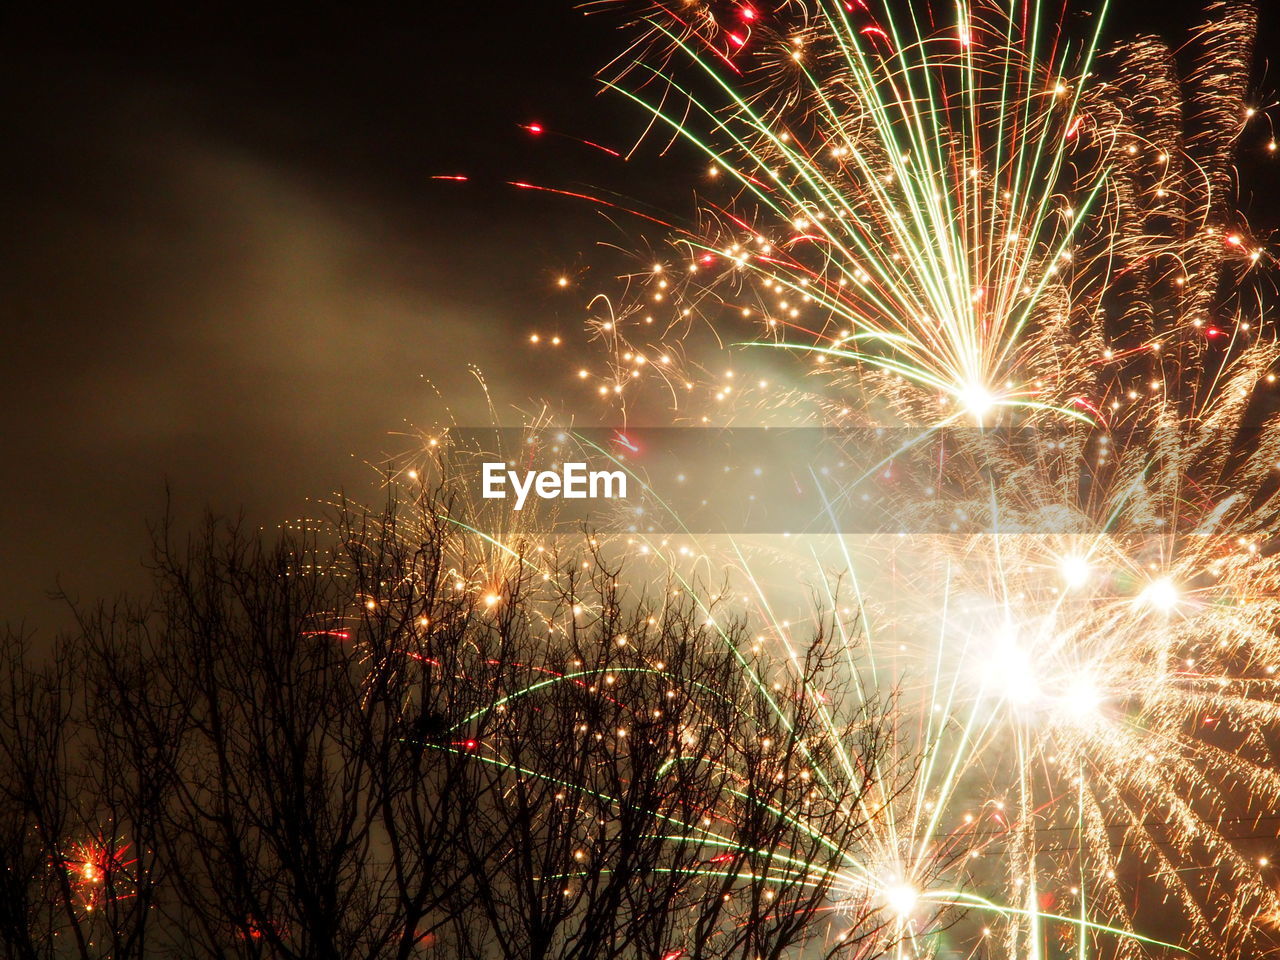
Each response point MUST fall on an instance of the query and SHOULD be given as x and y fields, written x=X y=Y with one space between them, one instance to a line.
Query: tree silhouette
x=382 y=738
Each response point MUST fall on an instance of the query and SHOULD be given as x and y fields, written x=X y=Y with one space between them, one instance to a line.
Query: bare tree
x=662 y=794
x=386 y=737
x=35 y=811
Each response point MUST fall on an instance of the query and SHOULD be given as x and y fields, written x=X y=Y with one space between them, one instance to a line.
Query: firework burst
x=964 y=217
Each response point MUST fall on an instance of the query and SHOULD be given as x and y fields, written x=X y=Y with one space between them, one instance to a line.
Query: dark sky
x=226 y=267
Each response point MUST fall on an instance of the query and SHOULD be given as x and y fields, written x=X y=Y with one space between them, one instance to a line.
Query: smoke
x=181 y=307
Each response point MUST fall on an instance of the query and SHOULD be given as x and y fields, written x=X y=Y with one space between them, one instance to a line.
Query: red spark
x=99 y=867
x=523 y=185
x=538 y=129
x=1082 y=402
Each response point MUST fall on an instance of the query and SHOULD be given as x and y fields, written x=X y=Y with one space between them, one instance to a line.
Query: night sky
x=227 y=268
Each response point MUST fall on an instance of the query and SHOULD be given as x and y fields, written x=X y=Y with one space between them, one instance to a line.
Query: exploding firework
x=967 y=218
x=100 y=870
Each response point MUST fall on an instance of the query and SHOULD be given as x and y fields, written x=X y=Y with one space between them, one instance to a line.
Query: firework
x=100 y=870
x=966 y=217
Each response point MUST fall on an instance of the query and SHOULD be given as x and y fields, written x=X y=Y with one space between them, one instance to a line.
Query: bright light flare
x=1075 y=571
x=901 y=899
x=1161 y=595
x=1013 y=676
x=977 y=401
x=1082 y=698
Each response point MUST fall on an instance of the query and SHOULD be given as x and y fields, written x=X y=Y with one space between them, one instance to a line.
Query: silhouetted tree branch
x=388 y=738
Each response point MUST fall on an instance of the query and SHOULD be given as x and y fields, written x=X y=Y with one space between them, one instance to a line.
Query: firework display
x=889 y=565
x=980 y=215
